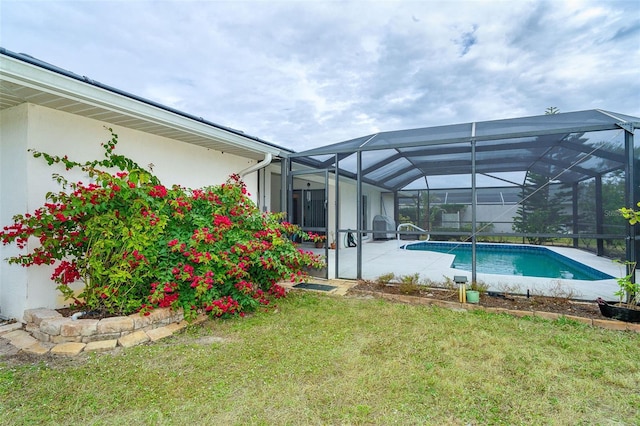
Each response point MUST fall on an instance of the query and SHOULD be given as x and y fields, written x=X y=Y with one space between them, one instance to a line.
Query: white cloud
x=303 y=74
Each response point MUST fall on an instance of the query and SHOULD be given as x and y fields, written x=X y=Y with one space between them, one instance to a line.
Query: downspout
x=259 y=165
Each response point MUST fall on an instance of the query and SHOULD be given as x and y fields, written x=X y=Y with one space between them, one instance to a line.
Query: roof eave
x=71 y=87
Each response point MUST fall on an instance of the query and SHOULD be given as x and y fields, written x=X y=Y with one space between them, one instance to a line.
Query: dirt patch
x=562 y=306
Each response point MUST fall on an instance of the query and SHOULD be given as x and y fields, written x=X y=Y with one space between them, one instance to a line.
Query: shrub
x=385 y=279
x=136 y=244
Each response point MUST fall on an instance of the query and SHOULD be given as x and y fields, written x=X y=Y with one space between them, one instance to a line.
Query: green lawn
x=328 y=360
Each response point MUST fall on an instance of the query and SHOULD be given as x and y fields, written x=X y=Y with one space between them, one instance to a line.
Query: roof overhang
x=25 y=79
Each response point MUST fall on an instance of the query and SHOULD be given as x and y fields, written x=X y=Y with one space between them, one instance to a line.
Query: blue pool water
x=502 y=259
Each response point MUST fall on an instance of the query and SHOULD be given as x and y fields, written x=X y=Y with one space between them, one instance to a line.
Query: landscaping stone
x=68 y=349
x=133 y=339
x=37 y=348
x=52 y=326
x=583 y=320
x=496 y=310
x=159 y=333
x=81 y=327
x=31 y=327
x=115 y=325
x=20 y=339
x=519 y=313
x=141 y=321
x=10 y=327
x=177 y=326
x=36 y=316
x=43 y=337
x=546 y=315
x=101 y=345
x=610 y=325
x=98 y=337
x=160 y=315
x=200 y=318
x=65 y=339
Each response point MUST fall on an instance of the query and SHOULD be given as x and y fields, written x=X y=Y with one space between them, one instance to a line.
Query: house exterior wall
x=501 y=216
x=24 y=180
x=349 y=205
x=13 y=199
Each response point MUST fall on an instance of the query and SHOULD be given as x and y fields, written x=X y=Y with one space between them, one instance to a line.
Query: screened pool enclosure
x=551 y=179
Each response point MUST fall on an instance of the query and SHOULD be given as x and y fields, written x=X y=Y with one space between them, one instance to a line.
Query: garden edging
x=604 y=323
x=47 y=331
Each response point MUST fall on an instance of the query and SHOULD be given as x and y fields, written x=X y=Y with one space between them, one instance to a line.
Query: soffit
x=22 y=82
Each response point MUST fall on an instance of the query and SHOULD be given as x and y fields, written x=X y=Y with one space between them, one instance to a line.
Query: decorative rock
x=141 y=321
x=31 y=327
x=159 y=333
x=101 y=345
x=115 y=325
x=133 y=339
x=69 y=349
x=52 y=326
x=37 y=315
x=20 y=339
x=160 y=315
x=65 y=339
x=177 y=326
x=81 y=327
x=10 y=327
x=98 y=337
x=43 y=337
x=37 y=349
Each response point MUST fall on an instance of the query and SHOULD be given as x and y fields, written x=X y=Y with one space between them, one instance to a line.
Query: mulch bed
x=67 y=312
x=560 y=306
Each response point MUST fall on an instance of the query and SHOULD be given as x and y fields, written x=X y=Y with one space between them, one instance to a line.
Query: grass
x=326 y=360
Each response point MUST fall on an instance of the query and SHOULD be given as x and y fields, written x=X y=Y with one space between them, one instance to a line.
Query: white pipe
x=260 y=165
x=77 y=315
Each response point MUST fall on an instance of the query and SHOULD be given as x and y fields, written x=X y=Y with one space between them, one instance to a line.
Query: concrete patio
x=383 y=257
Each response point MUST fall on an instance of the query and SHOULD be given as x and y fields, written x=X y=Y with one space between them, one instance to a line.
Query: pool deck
x=383 y=257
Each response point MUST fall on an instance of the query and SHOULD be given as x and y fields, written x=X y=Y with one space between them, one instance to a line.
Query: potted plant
x=318 y=239
x=332 y=245
x=475 y=291
x=626 y=309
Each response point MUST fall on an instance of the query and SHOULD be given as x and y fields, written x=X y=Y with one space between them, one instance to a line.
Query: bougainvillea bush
x=136 y=244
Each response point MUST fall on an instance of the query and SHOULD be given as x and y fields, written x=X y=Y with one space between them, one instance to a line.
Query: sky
x=303 y=74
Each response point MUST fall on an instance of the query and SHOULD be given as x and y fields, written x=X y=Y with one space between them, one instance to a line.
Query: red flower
x=222 y=221
x=158 y=191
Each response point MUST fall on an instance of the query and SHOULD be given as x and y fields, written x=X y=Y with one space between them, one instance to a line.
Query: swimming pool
x=506 y=259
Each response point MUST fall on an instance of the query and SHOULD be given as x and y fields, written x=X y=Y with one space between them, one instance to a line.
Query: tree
x=541 y=210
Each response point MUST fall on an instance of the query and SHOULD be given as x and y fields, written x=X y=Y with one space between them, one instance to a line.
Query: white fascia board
x=18 y=72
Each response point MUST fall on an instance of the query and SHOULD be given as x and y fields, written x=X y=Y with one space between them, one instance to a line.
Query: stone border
x=602 y=323
x=47 y=331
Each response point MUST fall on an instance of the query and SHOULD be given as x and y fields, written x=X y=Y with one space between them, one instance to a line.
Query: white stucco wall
x=13 y=199
x=501 y=216
x=24 y=180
